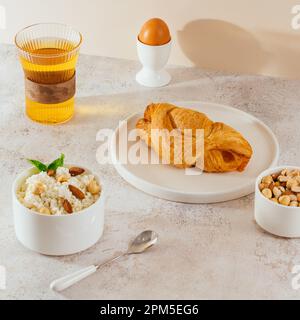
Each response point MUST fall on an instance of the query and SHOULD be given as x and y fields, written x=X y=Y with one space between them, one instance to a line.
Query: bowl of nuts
x=58 y=209
x=277 y=201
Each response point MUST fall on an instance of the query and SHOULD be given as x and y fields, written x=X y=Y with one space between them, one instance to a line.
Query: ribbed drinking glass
x=49 y=54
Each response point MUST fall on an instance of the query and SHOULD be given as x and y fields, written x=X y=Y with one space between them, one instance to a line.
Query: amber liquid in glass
x=49 y=61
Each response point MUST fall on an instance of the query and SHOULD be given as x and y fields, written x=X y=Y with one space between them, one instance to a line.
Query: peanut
x=271 y=186
x=267 y=180
x=294 y=173
x=275 y=175
x=293 y=197
x=296 y=188
x=283 y=178
x=262 y=186
x=284 y=200
x=281 y=188
x=291 y=183
x=277 y=192
x=267 y=193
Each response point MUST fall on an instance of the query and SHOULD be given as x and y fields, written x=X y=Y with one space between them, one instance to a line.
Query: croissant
x=225 y=149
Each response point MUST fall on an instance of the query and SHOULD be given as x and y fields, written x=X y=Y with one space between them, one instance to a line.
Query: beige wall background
x=244 y=36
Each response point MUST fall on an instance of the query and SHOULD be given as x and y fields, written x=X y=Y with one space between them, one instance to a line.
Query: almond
x=76 y=192
x=67 y=206
x=51 y=173
x=76 y=171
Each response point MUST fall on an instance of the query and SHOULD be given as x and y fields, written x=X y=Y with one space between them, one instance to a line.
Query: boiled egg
x=155 y=32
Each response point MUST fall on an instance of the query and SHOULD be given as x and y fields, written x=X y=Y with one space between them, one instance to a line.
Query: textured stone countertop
x=205 y=251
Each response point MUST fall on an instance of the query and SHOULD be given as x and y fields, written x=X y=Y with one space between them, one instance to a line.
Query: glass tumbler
x=48 y=53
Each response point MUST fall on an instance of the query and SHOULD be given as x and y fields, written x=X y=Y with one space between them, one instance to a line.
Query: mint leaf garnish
x=39 y=165
x=52 y=166
x=57 y=163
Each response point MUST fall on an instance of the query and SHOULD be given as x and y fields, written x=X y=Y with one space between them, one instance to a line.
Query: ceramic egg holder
x=154 y=59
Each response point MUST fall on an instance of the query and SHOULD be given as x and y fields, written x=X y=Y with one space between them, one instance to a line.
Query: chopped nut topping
x=94 y=187
x=39 y=189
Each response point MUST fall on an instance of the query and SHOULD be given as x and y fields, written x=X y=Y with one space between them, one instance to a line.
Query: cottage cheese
x=45 y=194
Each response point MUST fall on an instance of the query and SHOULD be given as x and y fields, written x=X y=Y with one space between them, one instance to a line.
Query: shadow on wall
x=283 y=53
x=219 y=45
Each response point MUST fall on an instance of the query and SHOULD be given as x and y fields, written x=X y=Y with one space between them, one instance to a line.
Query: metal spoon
x=141 y=243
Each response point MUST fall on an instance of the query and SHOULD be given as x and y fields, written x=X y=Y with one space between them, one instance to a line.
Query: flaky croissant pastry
x=225 y=149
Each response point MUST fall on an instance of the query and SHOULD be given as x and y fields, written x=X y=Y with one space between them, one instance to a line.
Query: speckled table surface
x=205 y=251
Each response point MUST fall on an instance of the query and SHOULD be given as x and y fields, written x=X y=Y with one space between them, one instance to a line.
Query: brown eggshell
x=155 y=32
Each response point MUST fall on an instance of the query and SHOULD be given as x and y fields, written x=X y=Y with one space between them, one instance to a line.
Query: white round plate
x=170 y=183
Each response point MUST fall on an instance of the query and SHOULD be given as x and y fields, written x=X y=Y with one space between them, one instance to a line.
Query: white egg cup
x=154 y=59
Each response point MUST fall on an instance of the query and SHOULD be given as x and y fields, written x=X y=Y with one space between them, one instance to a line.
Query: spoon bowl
x=143 y=242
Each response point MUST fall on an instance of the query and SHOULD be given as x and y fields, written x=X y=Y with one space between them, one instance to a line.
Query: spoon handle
x=111 y=260
x=68 y=281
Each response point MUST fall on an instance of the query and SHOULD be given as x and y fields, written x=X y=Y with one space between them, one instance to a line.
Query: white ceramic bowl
x=275 y=218
x=154 y=59
x=57 y=235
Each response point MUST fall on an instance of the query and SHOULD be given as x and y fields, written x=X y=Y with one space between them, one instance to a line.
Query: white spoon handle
x=68 y=281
